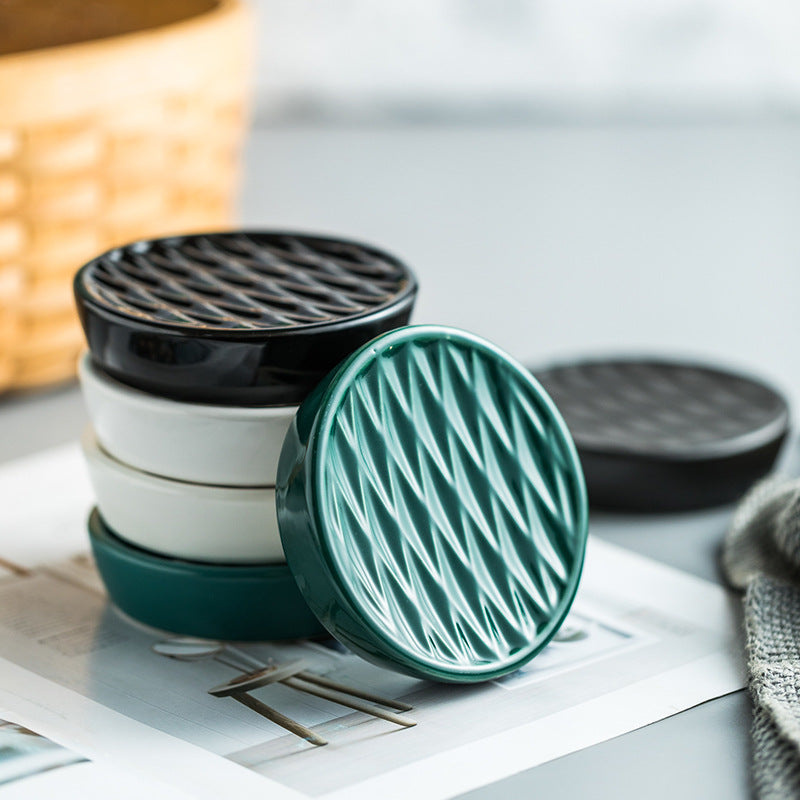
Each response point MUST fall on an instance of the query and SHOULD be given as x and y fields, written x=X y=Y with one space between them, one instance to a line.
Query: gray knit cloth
x=761 y=555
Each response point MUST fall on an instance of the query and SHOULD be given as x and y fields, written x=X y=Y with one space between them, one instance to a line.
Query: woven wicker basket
x=103 y=142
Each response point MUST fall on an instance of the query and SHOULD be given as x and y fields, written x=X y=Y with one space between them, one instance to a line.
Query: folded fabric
x=761 y=555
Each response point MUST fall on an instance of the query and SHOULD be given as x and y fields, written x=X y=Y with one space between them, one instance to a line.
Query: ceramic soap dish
x=239 y=318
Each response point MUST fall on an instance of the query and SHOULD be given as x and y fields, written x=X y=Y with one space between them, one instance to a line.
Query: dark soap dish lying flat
x=237 y=318
x=665 y=436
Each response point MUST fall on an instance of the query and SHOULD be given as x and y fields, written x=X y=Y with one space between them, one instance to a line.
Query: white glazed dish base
x=191 y=442
x=194 y=522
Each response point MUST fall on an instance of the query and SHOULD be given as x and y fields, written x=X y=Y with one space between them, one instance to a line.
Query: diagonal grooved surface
x=457 y=505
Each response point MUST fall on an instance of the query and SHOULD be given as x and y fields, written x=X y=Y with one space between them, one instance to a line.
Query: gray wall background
x=512 y=58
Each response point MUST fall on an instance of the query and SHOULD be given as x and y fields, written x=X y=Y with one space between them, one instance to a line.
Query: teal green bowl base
x=235 y=603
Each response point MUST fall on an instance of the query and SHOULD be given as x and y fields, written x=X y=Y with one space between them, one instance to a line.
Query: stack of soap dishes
x=201 y=348
x=276 y=454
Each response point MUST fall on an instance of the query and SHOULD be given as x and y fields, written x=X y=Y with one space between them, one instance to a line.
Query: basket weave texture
x=101 y=143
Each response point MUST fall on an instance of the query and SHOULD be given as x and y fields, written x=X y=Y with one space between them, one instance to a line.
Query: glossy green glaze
x=432 y=507
x=237 y=603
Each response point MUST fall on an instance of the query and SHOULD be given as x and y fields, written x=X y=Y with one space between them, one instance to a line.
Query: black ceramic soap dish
x=657 y=435
x=239 y=318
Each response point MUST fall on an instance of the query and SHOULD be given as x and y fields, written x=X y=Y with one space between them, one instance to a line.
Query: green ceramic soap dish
x=432 y=507
x=238 y=603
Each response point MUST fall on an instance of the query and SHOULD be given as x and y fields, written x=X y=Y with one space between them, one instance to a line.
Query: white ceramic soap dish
x=195 y=522
x=219 y=445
